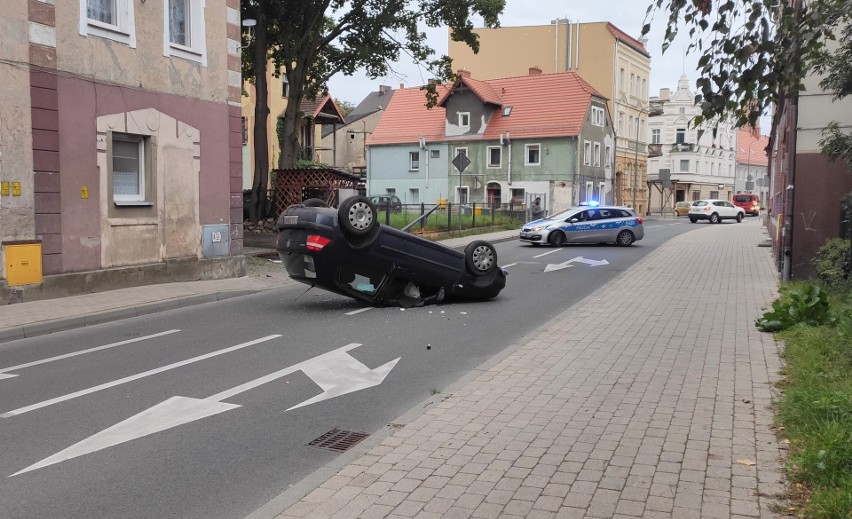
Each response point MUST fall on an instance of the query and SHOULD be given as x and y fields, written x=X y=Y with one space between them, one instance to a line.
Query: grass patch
x=815 y=412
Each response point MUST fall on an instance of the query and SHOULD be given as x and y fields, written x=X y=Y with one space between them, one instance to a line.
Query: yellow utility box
x=23 y=263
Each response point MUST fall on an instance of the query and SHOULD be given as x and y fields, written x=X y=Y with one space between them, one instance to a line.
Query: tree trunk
x=258 y=206
x=290 y=146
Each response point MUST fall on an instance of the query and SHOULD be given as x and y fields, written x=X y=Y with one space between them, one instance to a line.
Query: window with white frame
x=655 y=136
x=597 y=154
x=464 y=120
x=620 y=122
x=184 y=30
x=518 y=194
x=633 y=84
x=434 y=154
x=684 y=166
x=597 y=116
x=245 y=130
x=285 y=86
x=414 y=160
x=128 y=168
x=414 y=195
x=532 y=155
x=621 y=80
x=111 y=19
x=608 y=156
x=461 y=194
x=461 y=151
x=495 y=156
x=680 y=135
x=587 y=153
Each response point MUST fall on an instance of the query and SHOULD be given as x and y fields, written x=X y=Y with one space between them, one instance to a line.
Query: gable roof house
x=120 y=138
x=540 y=134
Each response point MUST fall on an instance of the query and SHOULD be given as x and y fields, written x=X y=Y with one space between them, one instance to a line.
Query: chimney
x=665 y=94
x=535 y=71
x=401 y=86
x=463 y=73
x=384 y=89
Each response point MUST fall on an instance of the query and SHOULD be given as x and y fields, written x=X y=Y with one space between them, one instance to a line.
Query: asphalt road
x=208 y=411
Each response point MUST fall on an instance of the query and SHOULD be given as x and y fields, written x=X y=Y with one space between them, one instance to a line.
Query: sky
x=627 y=15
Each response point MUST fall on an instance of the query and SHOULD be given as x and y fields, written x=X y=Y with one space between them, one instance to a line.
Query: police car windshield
x=565 y=214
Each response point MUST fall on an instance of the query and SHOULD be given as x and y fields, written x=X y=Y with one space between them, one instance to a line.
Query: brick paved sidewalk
x=650 y=398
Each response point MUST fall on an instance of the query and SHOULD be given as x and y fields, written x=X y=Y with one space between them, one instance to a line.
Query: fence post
x=473 y=216
x=449 y=216
x=422 y=212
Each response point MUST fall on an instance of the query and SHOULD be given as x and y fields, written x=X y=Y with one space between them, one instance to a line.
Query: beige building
x=277 y=89
x=615 y=64
x=119 y=154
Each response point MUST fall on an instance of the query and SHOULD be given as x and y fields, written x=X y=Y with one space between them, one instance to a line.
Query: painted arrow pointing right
x=336 y=372
x=579 y=259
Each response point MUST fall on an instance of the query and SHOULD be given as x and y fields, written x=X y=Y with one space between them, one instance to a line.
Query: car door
x=588 y=228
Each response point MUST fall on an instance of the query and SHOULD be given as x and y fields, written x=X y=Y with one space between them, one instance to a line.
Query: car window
x=701 y=203
x=361 y=279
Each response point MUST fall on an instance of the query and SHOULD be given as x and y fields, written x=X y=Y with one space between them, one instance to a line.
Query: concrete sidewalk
x=649 y=398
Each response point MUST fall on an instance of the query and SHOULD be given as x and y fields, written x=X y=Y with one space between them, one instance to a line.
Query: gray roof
x=374 y=101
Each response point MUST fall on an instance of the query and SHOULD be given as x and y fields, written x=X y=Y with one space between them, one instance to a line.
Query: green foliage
x=755 y=52
x=345 y=107
x=804 y=303
x=831 y=263
x=815 y=412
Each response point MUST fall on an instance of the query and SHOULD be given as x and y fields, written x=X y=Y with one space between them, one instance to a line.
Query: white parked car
x=715 y=211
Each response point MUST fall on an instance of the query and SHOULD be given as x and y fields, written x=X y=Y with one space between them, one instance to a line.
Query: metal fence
x=450 y=217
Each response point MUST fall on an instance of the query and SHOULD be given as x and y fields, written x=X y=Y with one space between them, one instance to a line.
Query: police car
x=592 y=223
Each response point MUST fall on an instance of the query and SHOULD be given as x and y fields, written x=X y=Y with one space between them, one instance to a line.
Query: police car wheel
x=556 y=238
x=624 y=239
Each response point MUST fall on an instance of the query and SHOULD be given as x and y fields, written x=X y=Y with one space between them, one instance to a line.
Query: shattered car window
x=360 y=278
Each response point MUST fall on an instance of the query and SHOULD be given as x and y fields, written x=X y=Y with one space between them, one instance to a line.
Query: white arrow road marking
x=4 y=372
x=336 y=372
x=548 y=252
x=131 y=378
x=579 y=259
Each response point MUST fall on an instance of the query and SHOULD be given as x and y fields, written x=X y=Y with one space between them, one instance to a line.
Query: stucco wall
x=388 y=167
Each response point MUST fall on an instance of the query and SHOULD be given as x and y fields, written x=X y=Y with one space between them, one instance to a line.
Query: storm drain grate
x=337 y=440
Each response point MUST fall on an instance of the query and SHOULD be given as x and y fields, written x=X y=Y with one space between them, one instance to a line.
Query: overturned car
x=348 y=252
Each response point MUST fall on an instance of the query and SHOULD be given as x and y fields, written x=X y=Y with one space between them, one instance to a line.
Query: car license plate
x=291 y=220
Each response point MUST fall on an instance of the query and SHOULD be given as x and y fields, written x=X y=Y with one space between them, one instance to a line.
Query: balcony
x=655 y=150
x=681 y=147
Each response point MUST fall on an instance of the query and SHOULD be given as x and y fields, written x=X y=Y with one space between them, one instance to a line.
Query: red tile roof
x=747 y=140
x=629 y=40
x=546 y=105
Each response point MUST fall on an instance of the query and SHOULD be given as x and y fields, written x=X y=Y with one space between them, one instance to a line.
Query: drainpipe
x=509 y=144
x=791 y=193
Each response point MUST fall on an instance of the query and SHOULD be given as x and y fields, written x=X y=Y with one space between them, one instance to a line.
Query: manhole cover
x=337 y=440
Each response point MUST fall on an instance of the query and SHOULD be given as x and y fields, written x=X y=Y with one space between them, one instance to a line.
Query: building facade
x=119 y=142
x=614 y=63
x=688 y=162
x=752 y=171
x=547 y=135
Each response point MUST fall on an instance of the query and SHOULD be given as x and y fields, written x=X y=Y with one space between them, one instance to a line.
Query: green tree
x=345 y=106
x=311 y=40
x=753 y=53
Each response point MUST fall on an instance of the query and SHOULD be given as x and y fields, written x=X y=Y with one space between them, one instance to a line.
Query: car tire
x=625 y=239
x=693 y=219
x=739 y=217
x=357 y=216
x=556 y=238
x=714 y=218
x=314 y=202
x=480 y=258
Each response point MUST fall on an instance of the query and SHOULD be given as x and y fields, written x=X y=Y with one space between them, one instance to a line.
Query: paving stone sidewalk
x=649 y=398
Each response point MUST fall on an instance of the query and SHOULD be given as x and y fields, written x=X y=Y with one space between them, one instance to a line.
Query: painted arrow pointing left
x=336 y=372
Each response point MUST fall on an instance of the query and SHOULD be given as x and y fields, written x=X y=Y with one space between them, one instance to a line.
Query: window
x=518 y=195
x=655 y=136
x=715 y=194
x=684 y=166
x=414 y=195
x=414 y=160
x=696 y=195
x=698 y=138
x=633 y=84
x=597 y=154
x=128 y=168
x=630 y=125
x=184 y=30
x=111 y=19
x=621 y=80
x=644 y=92
x=587 y=153
x=434 y=154
x=495 y=156
x=285 y=87
x=620 y=121
x=461 y=194
x=597 y=116
x=390 y=191
x=533 y=154
x=680 y=136
x=464 y=120
x=245 y=130
x=507 y=110
x=608 y=156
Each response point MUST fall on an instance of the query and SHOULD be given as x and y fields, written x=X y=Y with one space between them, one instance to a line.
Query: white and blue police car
x=587 y=223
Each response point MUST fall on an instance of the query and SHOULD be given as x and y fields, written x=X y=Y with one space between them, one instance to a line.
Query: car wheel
x=739 y=217
x=480 y=257
x=693 y=219
x=556 y=238
x=314 y=202
x=357 y=216
x=714 y=218
x=625 y=238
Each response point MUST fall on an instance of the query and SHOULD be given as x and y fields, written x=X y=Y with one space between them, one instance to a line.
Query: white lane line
x=546 y=253
x=509 y=265
x=131 y=378
x=354 y=312
x=4 y=371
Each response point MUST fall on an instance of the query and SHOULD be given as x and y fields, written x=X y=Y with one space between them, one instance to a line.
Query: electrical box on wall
x=23 y=263
x=215 y=240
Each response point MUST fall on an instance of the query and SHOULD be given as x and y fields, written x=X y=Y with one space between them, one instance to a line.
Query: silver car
x=585 y=224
